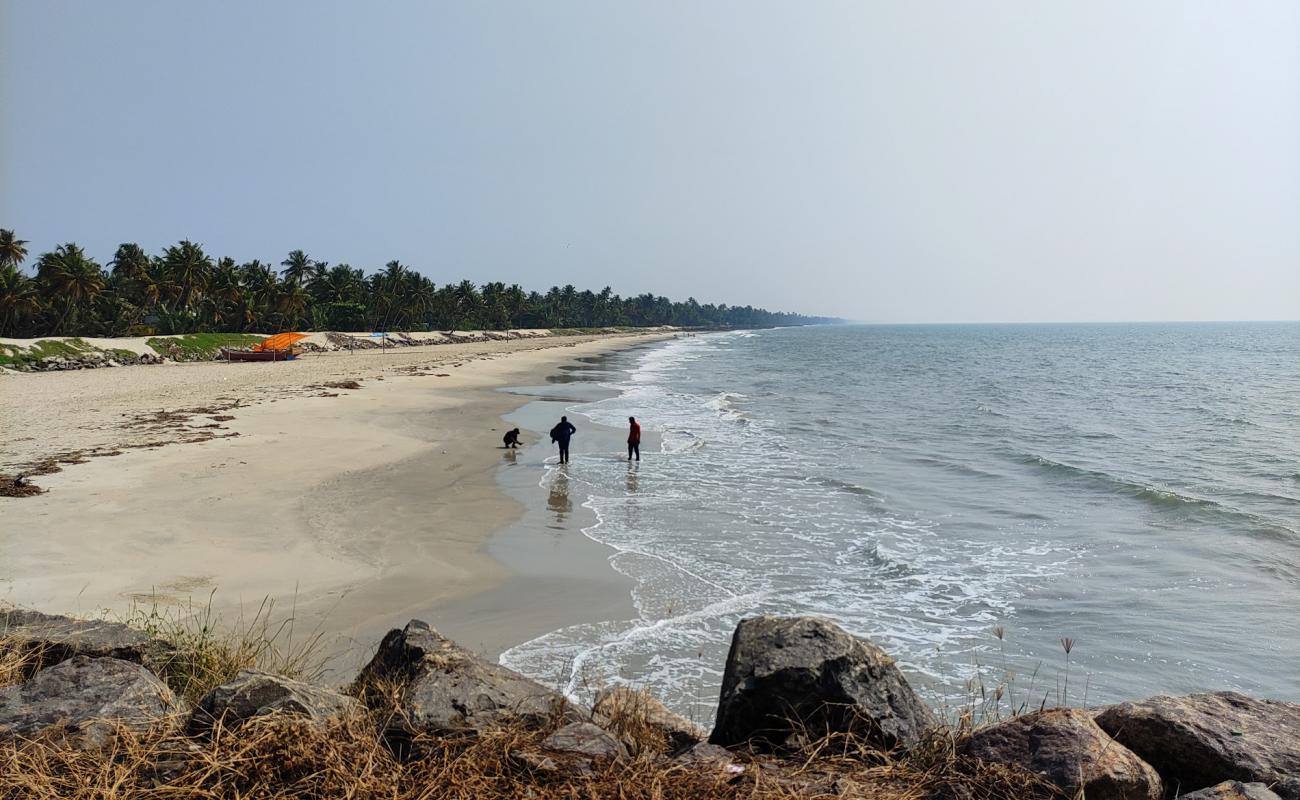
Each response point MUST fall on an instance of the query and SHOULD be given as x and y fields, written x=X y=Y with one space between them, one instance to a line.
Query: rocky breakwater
x=806 y=710
x=91 y=359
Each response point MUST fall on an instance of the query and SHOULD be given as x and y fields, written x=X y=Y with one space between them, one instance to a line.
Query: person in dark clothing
x=560 y=435
x=511 y=439
x=633 y=438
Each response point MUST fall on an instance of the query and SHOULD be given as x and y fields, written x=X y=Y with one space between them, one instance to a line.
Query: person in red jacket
x=633 y=439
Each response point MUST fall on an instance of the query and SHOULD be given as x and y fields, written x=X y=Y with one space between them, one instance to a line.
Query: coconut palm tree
x=189 y=268
x=516 y=303
x=223 y=294
x=467 y=302
x=386 y=294
x=13 y=251
x=297 y=268
x=130 y=262
x=19 y=299
x=67 y=277
x=293 y=303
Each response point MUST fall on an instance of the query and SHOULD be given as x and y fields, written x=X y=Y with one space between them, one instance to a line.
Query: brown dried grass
x=279 y=757
x=17 y=662
x=204 y=651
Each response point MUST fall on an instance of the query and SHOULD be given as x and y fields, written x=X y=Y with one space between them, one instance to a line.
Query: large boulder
x=638 y=716
x=1201 y=740
x=787 y=676
x=48 y=639
x=254 y=693
x=1233 y=790
x=446 y=688
x=1066 y=747
x=83 y=698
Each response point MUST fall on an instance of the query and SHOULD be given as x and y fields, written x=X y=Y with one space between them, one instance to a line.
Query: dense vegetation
x=183 y=290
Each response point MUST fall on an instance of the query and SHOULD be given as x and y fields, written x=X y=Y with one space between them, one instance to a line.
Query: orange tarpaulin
x=280 y=341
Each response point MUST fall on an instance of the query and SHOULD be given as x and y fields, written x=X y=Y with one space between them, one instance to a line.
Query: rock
x=1066 y=747
x=1233 y=790
x=448 y=688
x=705 y=754
x=51 y=639
x=631 y=712
x=785 y=675
x=576 y=747
x=254 y=694
x=1201 y=740
x=535 y=761
x=84 y=698
x=587 y=740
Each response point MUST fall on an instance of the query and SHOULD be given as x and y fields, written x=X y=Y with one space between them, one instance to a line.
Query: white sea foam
x=921 y=485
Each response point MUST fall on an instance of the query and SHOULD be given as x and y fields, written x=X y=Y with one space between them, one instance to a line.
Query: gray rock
x=83 y=698
x=627 y=710
x=790 y=675
x=586 y=740
x=1066 y=747
x=1201 y=740
x=254 y=693
x=707 y=755
x=51 y=639
x=1233 y=790
x=535 y=761
x=448 y=688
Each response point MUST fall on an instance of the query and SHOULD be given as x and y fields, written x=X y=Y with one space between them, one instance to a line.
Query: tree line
x=185 y=290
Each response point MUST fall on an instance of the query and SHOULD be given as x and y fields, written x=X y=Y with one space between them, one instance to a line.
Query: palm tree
x=467 y=304
x=224 y=291
x=516 y=302
x=421 y=298
x=189 y=268
x=294 y=301
x=386 y=293
x=19 y=299
x=262 y=292
x=297 y=267
x=69 y=275
x=340 y=284
x=130 y=262
x=13 y=251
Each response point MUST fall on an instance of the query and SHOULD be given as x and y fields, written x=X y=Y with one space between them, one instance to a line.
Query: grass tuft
x=204 y=652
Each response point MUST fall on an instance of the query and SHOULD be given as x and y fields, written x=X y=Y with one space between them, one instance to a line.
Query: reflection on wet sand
x=558 y=499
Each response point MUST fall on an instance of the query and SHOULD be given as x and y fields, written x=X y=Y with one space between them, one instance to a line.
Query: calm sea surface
x=1133 y=487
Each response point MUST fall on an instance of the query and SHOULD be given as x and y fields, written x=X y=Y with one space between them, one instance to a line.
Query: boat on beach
x=275 y=348
x=230 y=354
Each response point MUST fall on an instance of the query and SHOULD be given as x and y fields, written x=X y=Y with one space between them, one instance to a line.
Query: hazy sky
x=887 y=161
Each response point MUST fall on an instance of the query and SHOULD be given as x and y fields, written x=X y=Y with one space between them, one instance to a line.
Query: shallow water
x=1133 y=487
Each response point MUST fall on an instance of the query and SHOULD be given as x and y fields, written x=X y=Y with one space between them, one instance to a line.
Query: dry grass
x=282 y=758
x=204 y=652
x=17 y=662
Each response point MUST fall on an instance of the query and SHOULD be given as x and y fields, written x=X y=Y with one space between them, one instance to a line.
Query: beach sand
x=354 y=509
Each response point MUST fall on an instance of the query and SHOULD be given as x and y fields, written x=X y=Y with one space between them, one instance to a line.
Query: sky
x=1095 y=160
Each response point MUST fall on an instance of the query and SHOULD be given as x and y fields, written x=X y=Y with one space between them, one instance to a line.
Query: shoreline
x=349 y=509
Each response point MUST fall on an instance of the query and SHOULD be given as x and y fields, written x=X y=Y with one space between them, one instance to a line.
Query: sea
x=1076 y=514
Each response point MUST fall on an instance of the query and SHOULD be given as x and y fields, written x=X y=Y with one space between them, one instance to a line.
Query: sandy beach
x=356 y=507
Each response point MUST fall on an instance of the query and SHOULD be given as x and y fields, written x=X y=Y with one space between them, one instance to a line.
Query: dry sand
x=355 y=505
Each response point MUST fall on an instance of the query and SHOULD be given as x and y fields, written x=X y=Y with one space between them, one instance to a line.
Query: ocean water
x=1134 y=488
